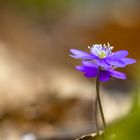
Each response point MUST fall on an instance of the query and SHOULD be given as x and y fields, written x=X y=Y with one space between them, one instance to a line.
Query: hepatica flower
x=101 y=62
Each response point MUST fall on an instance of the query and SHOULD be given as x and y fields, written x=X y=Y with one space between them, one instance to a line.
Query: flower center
x=102 y=54
x=101 y=50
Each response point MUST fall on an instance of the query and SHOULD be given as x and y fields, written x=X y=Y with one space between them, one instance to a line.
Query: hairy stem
x=96 y=115
x=99 y=102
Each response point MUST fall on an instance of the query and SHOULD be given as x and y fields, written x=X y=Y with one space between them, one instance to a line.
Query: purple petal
x=118 y=55
x=104 y=76
x=80 y=68
x=102 y=63
x=128 y=61
x=80 y=54
x=117 y=74
x=96 y=63
x=115 y=62
x=91 y=74
x=89 y=71
x=90 y=63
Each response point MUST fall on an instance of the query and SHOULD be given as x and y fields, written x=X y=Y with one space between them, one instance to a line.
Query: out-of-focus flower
x=102 y=62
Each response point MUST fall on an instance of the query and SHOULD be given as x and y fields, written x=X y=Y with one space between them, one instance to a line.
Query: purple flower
x=102 y=62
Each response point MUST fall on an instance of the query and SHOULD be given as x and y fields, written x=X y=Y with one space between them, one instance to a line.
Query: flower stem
x=99 y=102
x=96 y=115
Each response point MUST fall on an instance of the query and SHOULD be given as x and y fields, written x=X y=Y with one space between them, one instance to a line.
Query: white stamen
x=101 y=50
x=89 y=47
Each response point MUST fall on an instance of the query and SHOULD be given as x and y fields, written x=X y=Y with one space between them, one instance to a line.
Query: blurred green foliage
x=44 y=7
x=39 y=8
x=39 y=5
x=127 y=128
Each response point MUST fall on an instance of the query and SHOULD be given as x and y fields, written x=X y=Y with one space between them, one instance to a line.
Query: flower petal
x=128 y=61
x=102 y=63
x=89 y=71
x=90 y=63
x=115 y=62
x=104 y=76
x=96 y=63
x=118 y=54
x=80 y=68
x=80 y=54
x=117 y=74
x=92 y=73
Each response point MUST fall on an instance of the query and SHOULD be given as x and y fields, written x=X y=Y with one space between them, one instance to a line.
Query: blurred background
x=42 y=96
